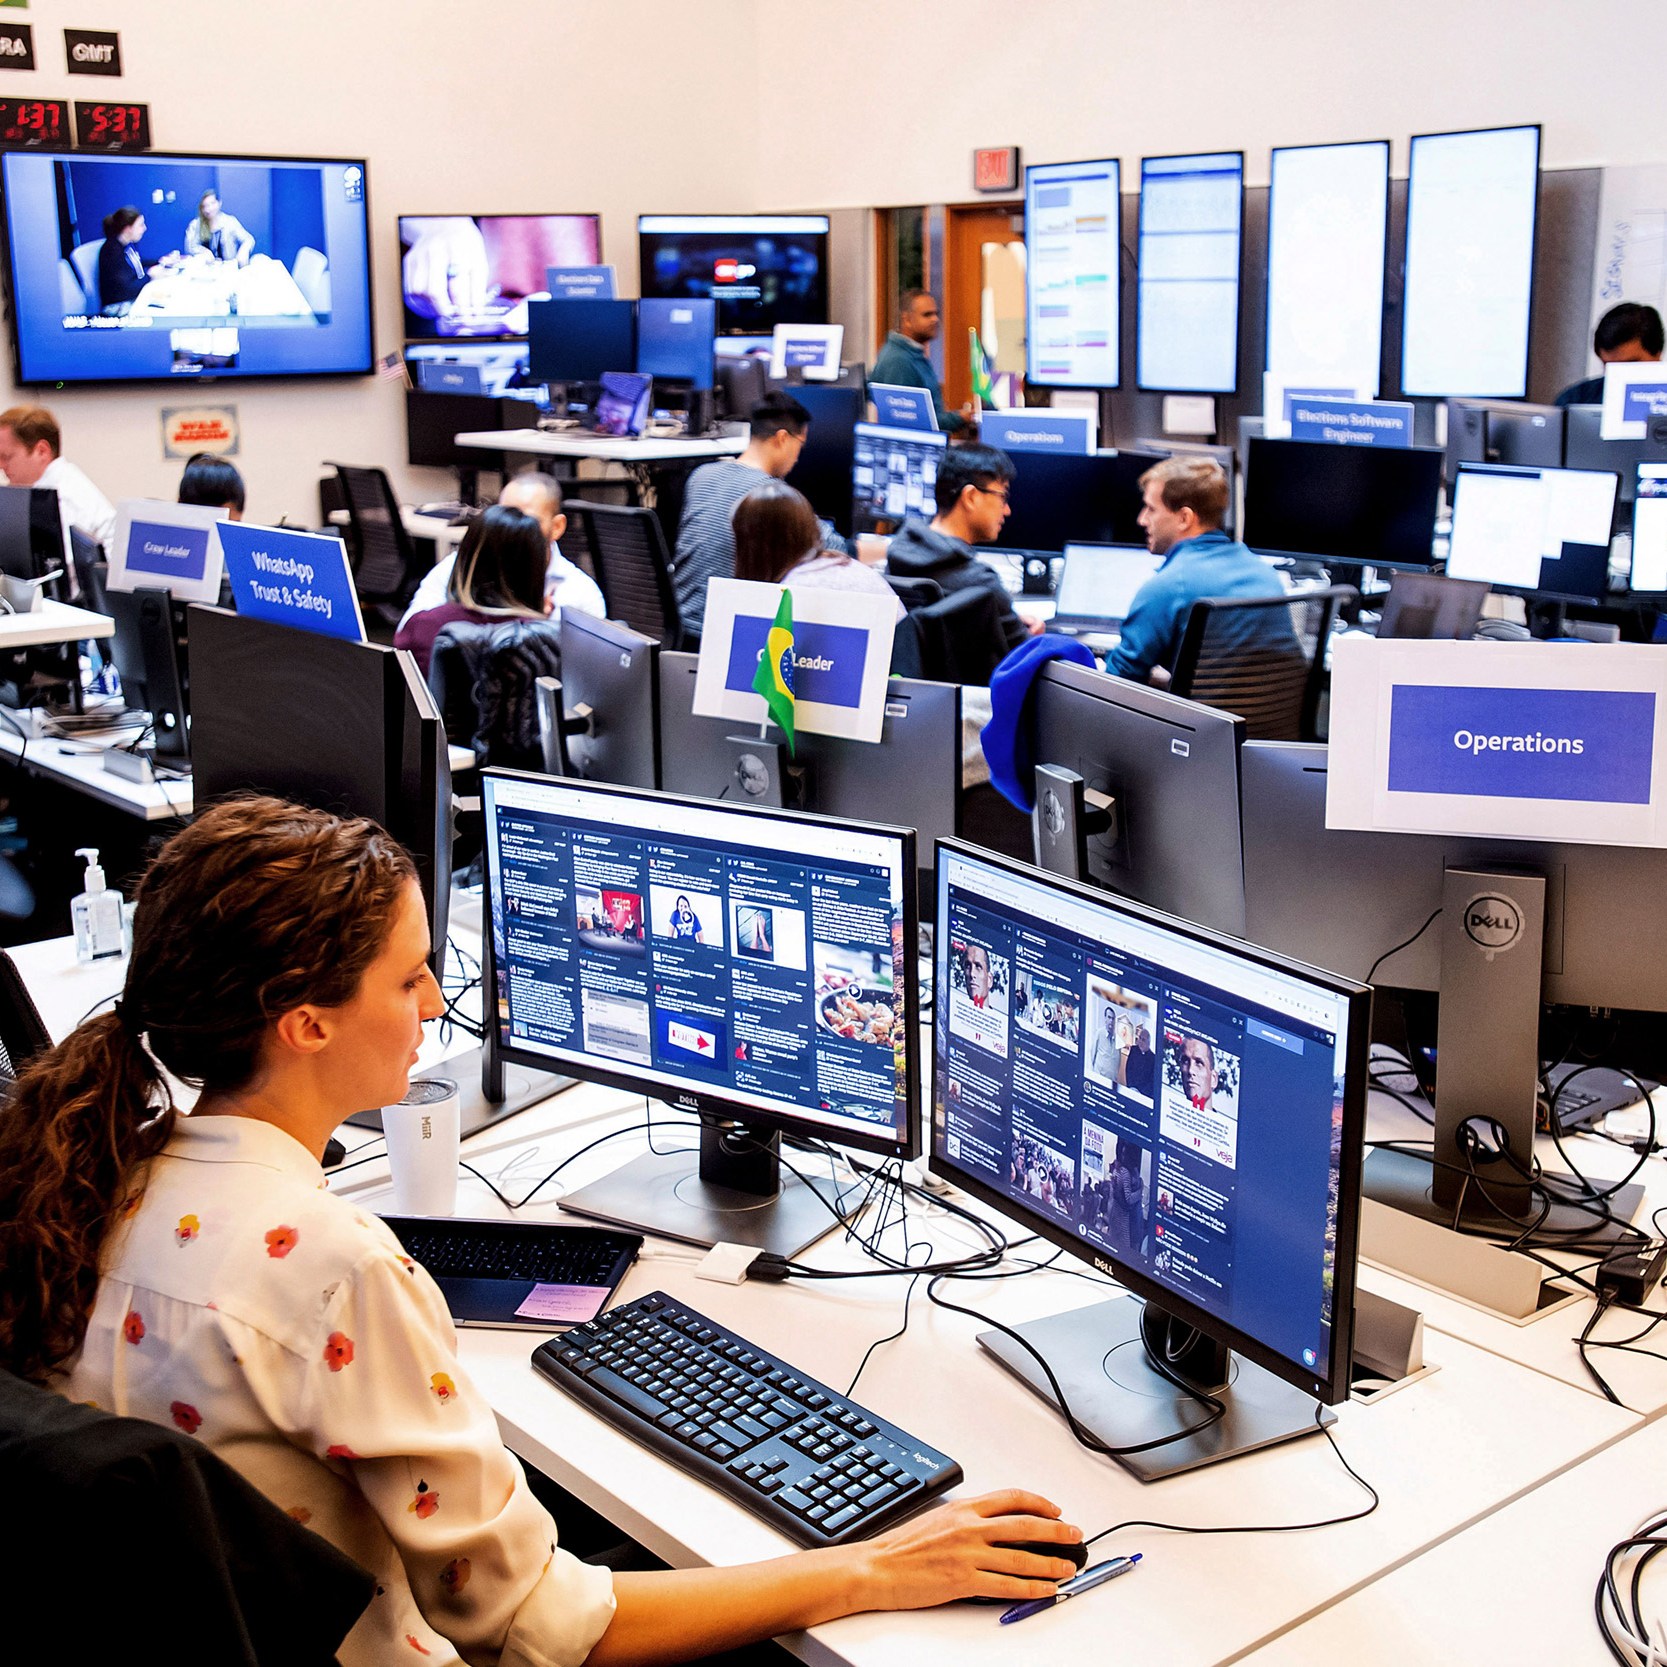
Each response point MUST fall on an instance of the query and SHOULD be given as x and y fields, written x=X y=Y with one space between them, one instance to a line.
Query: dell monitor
x=580 y=341
x=1543 y=531
x=913 y=770
x=1156 y=791
x=1373 y=506
x=470 y=276
x=761 y=269
x=1183 y=1111
x=1649 y=528
x=823 y=472
x=894 y=474
x=607 y=729
x=149 y=651
x=32 y=540
x=1076 y=500
x=1585 y=448
x=753 y=967
x=674 y=341
x=1423 y=606
x=290 y=296
x=1528 y=435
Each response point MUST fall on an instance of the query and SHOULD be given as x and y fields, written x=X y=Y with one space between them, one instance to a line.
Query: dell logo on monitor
x=1181 y=749
x=1493 y=923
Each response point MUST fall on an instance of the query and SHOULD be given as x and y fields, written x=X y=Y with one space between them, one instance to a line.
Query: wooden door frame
x=957 y=367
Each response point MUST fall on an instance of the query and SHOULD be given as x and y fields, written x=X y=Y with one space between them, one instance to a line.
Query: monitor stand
x=1100 y=1357
x=737 y=1193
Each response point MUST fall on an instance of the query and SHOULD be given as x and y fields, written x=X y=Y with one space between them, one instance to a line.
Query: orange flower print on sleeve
x=130 y=1204
x=300 y=1514
x=281 y=1241
x=444 y=1389
x=186 y=1417
x=133 y=1326
x=188 y=1229
x=426 y=1503
x=455 y=1576
x=421 y=1649
x=338 y=1350
x=339 y=1450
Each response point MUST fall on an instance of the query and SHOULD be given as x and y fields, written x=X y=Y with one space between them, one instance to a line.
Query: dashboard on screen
x=1472 y=200
x=1072 y=245
x=1187 y=301
x=1328 y=225
x=762 y=270
x=173 y=267
x=472 y=275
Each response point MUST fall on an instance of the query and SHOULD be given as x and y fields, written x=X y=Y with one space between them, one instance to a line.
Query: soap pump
x=97 y=913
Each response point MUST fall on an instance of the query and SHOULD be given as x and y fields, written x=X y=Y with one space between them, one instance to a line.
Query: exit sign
x=996 y=169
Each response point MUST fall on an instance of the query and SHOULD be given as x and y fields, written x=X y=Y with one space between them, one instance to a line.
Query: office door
x=983 y=289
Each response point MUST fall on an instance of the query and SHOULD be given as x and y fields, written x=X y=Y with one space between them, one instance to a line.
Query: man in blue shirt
x=1185 y=503
x=903 y=363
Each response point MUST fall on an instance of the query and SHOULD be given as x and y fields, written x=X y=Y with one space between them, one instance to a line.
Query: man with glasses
x=971 y=493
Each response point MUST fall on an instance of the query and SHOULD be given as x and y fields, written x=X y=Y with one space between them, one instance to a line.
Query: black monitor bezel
x=706 y=1105
x=1333 y=1386
x=1531 y=591
x=176 y=381
x=429 y=340
x=826 y=234
x=1117 y=235
x=1238 y=303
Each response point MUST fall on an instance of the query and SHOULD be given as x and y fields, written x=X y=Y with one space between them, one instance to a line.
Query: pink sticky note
x=563 y=1304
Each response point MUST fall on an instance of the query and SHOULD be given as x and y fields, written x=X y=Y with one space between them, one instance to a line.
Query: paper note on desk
x=563 y=1304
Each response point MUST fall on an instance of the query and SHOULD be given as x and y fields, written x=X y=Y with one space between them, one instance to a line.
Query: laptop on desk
x=1098 y=586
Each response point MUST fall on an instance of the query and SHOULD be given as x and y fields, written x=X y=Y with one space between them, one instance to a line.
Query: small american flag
x=392 y=366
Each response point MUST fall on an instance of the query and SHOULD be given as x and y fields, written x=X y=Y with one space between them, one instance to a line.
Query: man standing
x=706 y=536
x=1629 y=334
x=1140 y=1067
x=903 y=363
x=31 y=447
x=1185 y=502
x=1106 y=1058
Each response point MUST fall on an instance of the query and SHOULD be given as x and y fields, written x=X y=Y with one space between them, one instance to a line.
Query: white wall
x=920 y=85
x=621 y=106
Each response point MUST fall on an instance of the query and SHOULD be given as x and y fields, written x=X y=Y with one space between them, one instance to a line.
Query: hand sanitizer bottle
x=97 y=913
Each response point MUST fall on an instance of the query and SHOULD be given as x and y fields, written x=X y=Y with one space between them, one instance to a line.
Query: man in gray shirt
x=705 y=535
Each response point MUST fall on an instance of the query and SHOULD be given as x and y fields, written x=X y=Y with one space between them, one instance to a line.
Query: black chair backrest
x=499 y=665
x=742 y=383
x=384 y=565
x=961 y=637
x=633 y=567
x=1262 y=658
x=23 y=1035
x=915 y=593
x=90 y=568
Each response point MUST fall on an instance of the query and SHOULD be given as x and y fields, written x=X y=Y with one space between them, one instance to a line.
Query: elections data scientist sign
x=292 y=578
x=841 y=656
x=1526 y=740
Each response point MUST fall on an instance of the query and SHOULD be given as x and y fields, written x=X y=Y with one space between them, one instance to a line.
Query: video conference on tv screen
x=163 y=266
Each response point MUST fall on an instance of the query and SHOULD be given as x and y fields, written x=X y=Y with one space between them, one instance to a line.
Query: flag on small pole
x=983 y=388
x=774 y=677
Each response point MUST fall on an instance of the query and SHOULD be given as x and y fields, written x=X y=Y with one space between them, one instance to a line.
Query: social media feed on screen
x=1148 y=1099
x=174 y=266
x=770 y=972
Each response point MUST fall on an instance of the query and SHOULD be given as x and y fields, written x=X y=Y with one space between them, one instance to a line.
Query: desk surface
x=437 y=528
x=573 y=443
x=80 y=764
x=53 y=622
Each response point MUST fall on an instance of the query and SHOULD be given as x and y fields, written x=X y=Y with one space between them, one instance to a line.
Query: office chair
x=742 y=383
x=1261 y=657
x=483 y=679
x=915 y=593
x=385 y=570
x=961 y=638
x=175 y=1543
x=23 y=1034
x=91 y=570
x=633 y=567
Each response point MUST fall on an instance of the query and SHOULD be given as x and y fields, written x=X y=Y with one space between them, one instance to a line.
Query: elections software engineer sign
x=292 y=578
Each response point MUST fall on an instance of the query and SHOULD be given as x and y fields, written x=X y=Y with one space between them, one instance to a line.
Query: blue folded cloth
x=1009 y=745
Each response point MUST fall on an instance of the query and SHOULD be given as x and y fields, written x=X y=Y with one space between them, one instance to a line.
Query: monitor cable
x=1618 y=1602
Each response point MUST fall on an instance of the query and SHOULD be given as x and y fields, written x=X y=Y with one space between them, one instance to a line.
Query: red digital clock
x=34 y=121
x=109 y=126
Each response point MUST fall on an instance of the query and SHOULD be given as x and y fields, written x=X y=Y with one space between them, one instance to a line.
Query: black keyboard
x=542 y=1251
x=810 y=1462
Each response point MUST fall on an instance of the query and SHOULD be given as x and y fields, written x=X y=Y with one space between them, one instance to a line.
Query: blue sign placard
x=903 y=407
x=169 y=553
x=1644 y=400
x=1592 y=745
x=1352 y=422
x=291 y=578
x=580 y=283
x=1061 y=433
x=828 y=660
x=442 y=376
x=810 y=353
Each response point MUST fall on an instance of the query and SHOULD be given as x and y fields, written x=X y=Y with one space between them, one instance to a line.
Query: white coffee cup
x=423 y=1133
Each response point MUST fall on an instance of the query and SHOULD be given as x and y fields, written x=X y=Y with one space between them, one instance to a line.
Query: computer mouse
x=1075 y=1550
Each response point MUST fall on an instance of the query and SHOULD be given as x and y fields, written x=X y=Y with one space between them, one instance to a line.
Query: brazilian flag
x=774 y=677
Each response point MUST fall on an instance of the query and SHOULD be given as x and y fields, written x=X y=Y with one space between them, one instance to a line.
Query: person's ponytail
x=75 y=1134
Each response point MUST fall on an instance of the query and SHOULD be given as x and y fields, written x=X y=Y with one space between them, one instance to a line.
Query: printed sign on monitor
x=172 y=547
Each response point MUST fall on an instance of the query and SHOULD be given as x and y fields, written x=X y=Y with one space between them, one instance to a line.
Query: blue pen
x=1072 y=1588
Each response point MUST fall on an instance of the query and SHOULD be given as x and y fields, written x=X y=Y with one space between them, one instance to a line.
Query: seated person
x=218 y=233
x=499 y=575
x=214 y=483
x=778 y=540
x=31 y=454
x=566 y=584
x=972 y=492
x=122 y=272
x=705 y=538
x=194 y=1270
x=1628 y=334
x=1185 y=502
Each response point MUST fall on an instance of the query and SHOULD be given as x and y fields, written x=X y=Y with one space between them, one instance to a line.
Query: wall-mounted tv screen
x=168 y=267
x=472 y=275
x=761 y=269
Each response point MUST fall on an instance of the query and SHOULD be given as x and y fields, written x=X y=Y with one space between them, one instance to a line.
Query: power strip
x=130 y=766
